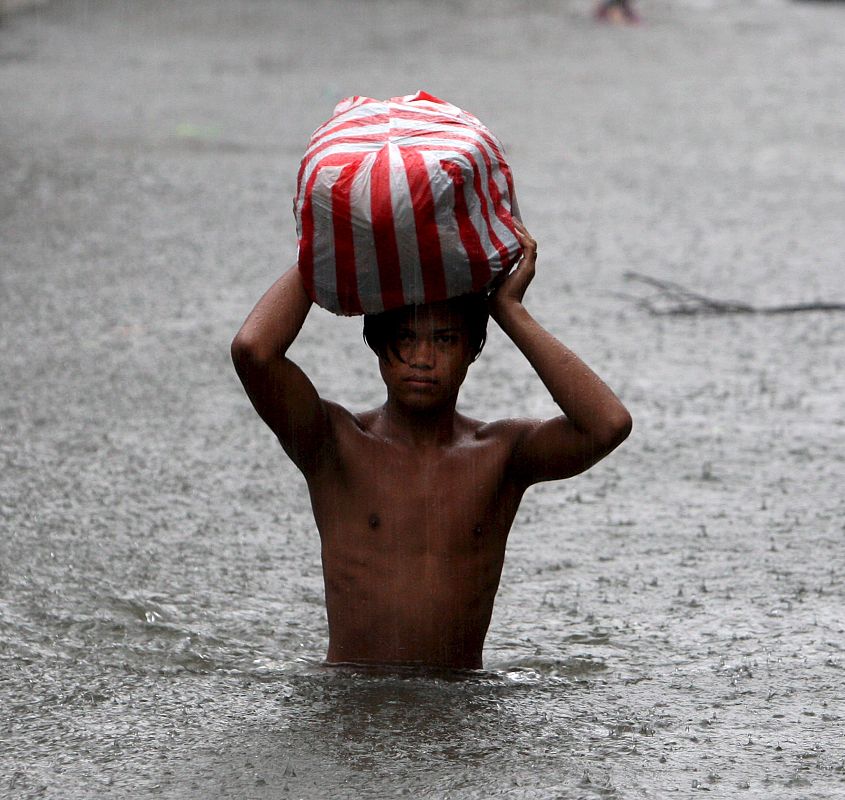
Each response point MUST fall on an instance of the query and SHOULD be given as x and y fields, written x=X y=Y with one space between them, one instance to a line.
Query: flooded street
x=672 y=621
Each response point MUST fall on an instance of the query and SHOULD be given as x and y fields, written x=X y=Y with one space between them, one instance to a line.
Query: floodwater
x=670 y=622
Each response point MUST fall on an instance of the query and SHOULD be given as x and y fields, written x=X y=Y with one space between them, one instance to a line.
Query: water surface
x=668 y=623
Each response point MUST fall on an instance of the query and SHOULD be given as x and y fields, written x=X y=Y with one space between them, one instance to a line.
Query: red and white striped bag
x=402 y=202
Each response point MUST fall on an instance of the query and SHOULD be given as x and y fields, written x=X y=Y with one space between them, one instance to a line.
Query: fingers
x=513 y=285
x=528 y=243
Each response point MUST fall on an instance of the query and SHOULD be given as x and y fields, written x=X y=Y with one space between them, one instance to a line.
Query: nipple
x=477 y=530
x=374 y=521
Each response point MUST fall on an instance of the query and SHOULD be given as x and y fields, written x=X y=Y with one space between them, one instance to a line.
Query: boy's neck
x=428 y=428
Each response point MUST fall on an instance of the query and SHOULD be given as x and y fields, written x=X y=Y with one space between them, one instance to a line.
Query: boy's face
x=433 y=346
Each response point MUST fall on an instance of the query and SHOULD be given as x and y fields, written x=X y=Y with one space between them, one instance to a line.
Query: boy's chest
x=469 y=474
x=444 y=500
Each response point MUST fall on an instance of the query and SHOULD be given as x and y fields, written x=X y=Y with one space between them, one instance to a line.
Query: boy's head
x=382 y=331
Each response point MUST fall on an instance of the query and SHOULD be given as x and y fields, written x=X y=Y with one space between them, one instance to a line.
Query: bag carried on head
x=402 y=202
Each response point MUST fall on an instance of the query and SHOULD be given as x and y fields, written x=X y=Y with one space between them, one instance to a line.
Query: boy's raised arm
x=280 y=391
x=594 y=420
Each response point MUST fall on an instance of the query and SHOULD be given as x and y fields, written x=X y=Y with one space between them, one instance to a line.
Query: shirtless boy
x=414 y=501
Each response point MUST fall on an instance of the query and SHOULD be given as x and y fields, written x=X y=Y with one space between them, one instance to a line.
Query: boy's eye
x=446 y=338
x=406 y=336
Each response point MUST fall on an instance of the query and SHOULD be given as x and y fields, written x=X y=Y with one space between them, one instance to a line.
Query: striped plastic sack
x=402 y=202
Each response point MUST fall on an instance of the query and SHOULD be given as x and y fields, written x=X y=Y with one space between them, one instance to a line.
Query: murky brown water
x=670 y=622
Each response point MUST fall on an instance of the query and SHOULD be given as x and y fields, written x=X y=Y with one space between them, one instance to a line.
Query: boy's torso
x=413 y=541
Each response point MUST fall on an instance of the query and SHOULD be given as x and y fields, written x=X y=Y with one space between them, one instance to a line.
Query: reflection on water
x=395 y=734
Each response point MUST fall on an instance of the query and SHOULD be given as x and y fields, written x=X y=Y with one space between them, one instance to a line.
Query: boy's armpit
x=312 y=450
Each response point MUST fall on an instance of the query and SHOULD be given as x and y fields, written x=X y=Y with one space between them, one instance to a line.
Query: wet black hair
x=381 y=330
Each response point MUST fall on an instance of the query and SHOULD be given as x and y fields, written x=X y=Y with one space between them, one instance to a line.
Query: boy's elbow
x=246 y=352
x=618 y=428
x=626 y=425
x=239 y=350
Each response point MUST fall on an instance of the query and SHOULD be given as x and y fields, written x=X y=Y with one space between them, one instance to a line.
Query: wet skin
x=413 y=501
x=412 y=563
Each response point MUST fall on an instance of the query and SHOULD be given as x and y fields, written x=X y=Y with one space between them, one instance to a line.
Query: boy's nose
x=423 y=354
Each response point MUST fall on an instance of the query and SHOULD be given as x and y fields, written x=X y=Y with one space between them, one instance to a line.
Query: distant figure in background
x=616 y=11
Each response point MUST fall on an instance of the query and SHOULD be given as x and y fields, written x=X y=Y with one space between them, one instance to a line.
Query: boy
x=414 y=501
x=616 y=11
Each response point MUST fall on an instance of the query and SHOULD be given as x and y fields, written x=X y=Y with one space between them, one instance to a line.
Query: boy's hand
x=510 y=290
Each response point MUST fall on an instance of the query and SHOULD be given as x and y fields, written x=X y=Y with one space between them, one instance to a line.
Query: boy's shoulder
x=468 y=429
x=508 y=429
x=341 y=419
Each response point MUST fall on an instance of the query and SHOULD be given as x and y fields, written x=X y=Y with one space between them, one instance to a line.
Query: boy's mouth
x=419 y=379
